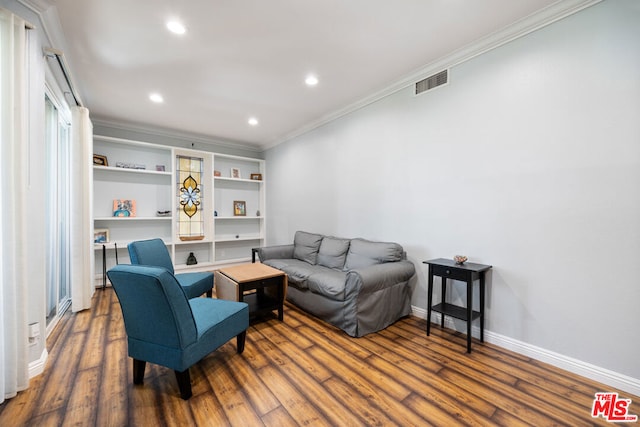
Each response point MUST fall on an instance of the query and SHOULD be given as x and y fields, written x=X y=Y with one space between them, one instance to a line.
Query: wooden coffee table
x=269 y=286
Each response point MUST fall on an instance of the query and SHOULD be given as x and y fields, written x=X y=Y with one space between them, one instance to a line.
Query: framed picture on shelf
x=256 y=176
x=235 y=173
x=101 y=235
x=124 y=207
x=160 y=168
x=239 y=208
x=100 y=160
x=217 y=173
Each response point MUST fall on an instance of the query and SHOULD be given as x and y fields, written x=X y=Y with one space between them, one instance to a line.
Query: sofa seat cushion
x=306 y=246
x=330 y=283
x=363 y=253
x=333 y=252
x=298 y=271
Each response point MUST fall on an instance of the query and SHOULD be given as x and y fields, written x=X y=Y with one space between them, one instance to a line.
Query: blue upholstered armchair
x=166 y=328
x=154 y=252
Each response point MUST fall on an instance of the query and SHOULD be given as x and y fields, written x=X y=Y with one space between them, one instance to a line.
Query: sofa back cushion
x=363 y=253
x=333 y=252
x=306 y=246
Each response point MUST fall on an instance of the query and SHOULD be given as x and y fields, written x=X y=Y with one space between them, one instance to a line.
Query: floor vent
x=433 y=81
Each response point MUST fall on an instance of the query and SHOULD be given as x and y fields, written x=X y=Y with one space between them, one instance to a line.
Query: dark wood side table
x=467 y=272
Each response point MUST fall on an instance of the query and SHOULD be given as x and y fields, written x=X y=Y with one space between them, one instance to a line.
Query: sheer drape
x=81 y=244
x=14 y=375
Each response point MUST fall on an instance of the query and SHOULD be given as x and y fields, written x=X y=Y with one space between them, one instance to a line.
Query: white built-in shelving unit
x=228 y=238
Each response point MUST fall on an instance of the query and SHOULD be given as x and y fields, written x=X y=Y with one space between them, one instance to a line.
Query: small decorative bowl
x=459 y=259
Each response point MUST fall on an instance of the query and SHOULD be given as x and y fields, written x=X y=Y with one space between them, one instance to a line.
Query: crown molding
x=553 y=13
x=174 y=134
x=54 y=37
x=49 y=21
x=38 y=6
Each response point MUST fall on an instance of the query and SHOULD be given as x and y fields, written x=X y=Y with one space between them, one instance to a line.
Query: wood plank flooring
x=300 y=372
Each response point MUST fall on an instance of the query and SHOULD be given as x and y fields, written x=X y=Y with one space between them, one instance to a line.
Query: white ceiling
x=243 y=58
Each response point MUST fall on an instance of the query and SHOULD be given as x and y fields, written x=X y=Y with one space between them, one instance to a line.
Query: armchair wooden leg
x=241 y=338
x=184 y=383
x=138 y=371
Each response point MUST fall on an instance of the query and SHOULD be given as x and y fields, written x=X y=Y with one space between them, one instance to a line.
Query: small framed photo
x=256 y=176
x=160 y=168
x=101 y=235
x=217 y=173
x=235 y=173
x=100 y=160
x=239 y=208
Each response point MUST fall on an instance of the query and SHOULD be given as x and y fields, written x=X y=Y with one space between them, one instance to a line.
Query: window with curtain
x=14 y=43
x=57 y=205
x=32 y=197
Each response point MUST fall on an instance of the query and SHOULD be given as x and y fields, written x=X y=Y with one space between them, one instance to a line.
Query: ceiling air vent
x=433 y=81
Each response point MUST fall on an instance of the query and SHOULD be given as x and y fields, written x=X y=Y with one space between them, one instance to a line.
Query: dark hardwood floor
x=300 y=372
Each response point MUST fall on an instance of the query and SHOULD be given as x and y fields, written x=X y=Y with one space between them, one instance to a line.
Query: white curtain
x=81 y=239
x=14 y=372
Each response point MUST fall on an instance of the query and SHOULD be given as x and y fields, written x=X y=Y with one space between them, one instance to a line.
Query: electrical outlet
x=34 y=333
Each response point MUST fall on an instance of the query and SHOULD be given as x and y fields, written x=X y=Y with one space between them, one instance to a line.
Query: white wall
x=529 y=160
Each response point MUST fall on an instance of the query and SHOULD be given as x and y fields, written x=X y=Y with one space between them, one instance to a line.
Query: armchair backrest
x=150 y=252
x=154 y=306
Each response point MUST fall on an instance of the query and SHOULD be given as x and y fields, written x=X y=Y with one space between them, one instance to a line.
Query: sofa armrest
x=379 y=276
x=276 y=252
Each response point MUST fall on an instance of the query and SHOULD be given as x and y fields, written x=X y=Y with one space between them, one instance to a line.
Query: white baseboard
x=587 y=370
x=37 y=366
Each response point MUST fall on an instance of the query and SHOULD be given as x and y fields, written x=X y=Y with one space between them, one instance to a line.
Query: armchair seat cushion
x=195 y=284
x=217 y=313
x=212 y=316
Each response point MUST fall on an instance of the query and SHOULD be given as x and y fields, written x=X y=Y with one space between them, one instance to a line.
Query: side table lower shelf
x=455 y=311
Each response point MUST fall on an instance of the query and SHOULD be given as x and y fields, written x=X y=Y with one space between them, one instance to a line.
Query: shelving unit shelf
x=146 y=173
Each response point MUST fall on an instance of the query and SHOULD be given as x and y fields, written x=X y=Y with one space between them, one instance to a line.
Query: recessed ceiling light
x=156 y=97
x=253 y=121
x=176 y=27
x=311 y=80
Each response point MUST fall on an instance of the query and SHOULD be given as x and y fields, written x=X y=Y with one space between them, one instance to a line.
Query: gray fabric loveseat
x=357 y=285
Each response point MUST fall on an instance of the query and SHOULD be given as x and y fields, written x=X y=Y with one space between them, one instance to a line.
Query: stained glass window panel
x=189 y=172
